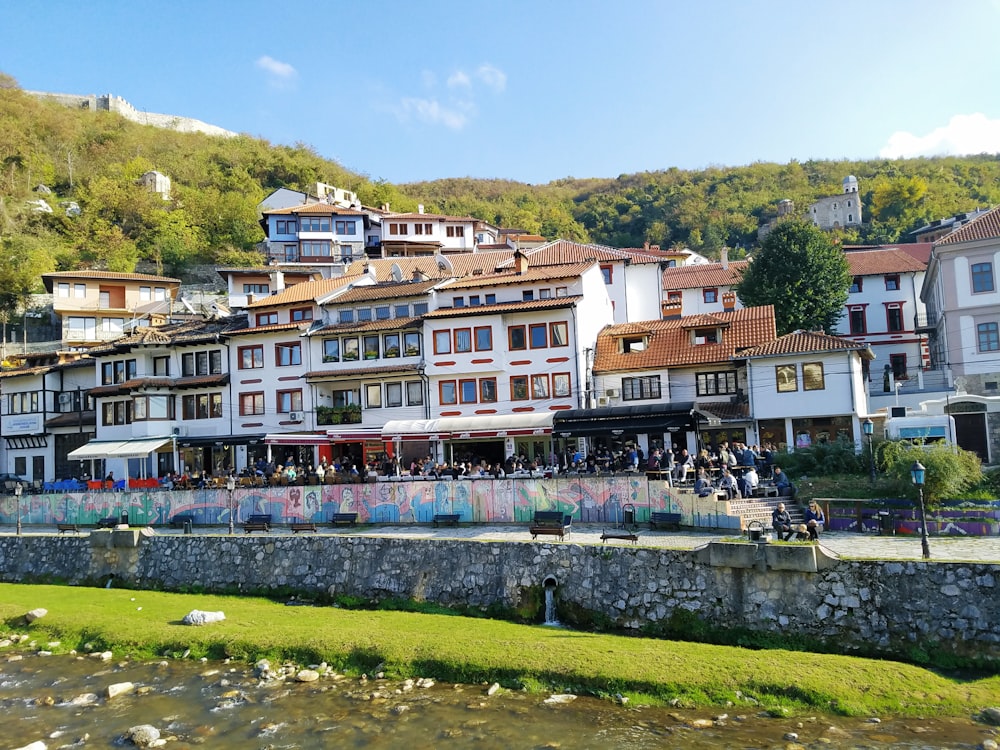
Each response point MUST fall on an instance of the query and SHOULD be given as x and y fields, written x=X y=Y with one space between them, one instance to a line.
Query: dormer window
x=633 y=344
x=706 y=336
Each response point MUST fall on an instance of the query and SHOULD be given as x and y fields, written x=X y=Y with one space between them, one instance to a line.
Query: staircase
x=760 y=509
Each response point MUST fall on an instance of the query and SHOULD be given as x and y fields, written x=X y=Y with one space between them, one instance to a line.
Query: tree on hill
x=800 y=271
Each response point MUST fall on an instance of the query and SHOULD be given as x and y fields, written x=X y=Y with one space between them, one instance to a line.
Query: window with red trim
x=447 y=393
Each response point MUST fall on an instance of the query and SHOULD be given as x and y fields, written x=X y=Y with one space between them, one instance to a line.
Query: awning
x=218 y=441
x=297 y=438
x=642 y=418
x=469 y=428
x=138 y=448
x=357 y=435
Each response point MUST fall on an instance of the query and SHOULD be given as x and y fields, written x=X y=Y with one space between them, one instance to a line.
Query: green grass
x=144 y=624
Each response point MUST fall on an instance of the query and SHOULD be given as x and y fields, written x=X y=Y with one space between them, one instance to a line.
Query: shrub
x=950 y=469
x=824 y=459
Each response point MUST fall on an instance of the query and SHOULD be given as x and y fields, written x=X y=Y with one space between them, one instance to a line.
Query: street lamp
x=230 y=486
x=917 y=472
x=18 y=489
x=869 y=429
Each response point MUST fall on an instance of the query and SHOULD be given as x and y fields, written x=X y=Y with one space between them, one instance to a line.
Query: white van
x=936 y=428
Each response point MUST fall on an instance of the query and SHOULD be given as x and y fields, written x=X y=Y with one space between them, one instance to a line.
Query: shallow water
x=226 y=706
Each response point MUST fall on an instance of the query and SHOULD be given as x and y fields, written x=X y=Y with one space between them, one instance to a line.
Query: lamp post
x=869 y=429
x=917 y=473
x=18 y=489
x=230 y=487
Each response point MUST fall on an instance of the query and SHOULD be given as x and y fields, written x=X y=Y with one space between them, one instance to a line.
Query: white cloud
x=276 y=67
x=428 y=79
x=432 y=112
x=495 y=78
x=459 y=78
x=964 y=134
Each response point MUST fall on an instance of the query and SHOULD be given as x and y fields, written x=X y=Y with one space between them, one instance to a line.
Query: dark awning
x=218 y=440
x=641 y=418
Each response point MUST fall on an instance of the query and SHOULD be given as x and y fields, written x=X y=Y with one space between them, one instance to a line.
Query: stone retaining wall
x=869 y=607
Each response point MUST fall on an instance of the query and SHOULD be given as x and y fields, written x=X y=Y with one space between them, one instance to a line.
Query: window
x=146 y=293
x=300 y=313
x=988 y=336
x=251 y=404
x=812 y=376
x=517 y=337
x=397 y=229
x=201 y=406
x=558 y=334
x=458 y=301
x=463 y=340
x=62 y=290
x=251 y=357
x=113 y=325
x=634 y=389
x=286 y=355
x=716 y=383
x=291 y=253
x=787 y=378
x=346 y=316
x=315 y=223
x=152 y=407
x=537 y=335
x=710 y=295
x=442 y=342
x=351 y=350
x=371 y=346
x=116 y=412
x=267 y=319
x=314 y=248
x=331 y=350
x=289 y=401
x=411 y=344
x=393 y=395
x=419 y=308
x=345 y=227
x=474 y=300
x=467 y=391
x=23 y=403
x=364 y=314
x=285 y=226
x=491 y=299
x=383 y=312
x=608 y=273
x=561 y=385
x=488 y=390
x=892 y=282
x=982 y=277
x=454 y=231
x=390 y=345
x=857 y=284
x=898 y=363
x=706 y=336
x=414 y=393
x=256 y=288
x=539 y=386
x=82 y=329
x=104 y=300
x=80 y=291
x=373 y=396
x=201 y=363
x=519 y=388
x=562 y=291
x=484 y=338
x=401 y=311
x=858 y=323
x=448 y=394
x=161 y=366
x=117 y=372
x=527 y=295
x=894 y=318
x=544 y=294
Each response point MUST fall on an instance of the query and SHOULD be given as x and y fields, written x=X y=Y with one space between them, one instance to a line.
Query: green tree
x=800 y=271
x=950 y=470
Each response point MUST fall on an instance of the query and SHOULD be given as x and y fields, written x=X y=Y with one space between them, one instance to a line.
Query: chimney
x=277 y=282
x=724 y=257
x=672 y=309
x=729 y=301
x=645 y=245
x=520 y=263
x=420 y=208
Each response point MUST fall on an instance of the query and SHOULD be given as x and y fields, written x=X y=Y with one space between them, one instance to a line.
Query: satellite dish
x=396 y=272
x=443 y=264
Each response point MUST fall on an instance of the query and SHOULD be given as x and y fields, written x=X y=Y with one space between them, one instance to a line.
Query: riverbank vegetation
x=143 y=624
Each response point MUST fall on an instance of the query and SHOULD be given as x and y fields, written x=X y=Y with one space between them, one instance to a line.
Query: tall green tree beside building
x=802 y=272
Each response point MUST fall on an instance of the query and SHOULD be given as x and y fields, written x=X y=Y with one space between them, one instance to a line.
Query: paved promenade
x=845 y=544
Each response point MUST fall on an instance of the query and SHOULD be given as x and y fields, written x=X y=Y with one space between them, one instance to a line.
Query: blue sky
x=536 y=91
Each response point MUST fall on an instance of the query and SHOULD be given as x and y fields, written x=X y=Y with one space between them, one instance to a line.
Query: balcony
x=330 y=415
x=924 y=322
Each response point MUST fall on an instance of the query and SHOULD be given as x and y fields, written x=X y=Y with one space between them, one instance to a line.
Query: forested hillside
x=95 y=158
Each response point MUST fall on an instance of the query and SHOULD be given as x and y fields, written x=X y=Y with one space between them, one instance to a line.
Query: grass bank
x=143 y=624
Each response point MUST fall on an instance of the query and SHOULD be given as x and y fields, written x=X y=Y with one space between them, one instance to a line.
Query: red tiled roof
x=462 y=264
x=509 y=276
x=710 y=275
x=550 y=303
x=398 y=324
x=804 y=342
x=559 y=252
x=358 y=371
x=983 y=227
x=419 y=216
x=882 y=261
x=315 y=208
x=268 y=328
x=20 y=371
x=47 y=278
x=199 y=381
x=307 y=291
x=385 y=290
x=671 y=341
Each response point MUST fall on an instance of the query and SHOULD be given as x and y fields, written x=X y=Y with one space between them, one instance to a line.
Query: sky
x=541 y=90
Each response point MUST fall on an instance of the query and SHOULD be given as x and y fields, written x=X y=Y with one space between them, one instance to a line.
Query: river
x=62 y=701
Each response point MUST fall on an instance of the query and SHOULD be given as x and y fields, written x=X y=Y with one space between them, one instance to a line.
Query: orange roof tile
x=803 y=342
x=385 y=290
x=268 y=328
x=436 y=217
x=549 y=303
x=710 y=275
x=559 y=252
x=984 y=227
x=462 y=264
x=315 y=208
x=47 y=278
x=391 y=324
x=882 y=261
x=509 y=276
x=671 y=342
x=358 y=372
x=307 y=291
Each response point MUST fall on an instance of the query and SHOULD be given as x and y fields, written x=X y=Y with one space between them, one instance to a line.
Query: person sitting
x=728 y=484
x=748 y=482
x=781 y=522
x=783 y=483
x=815 y=520
x=703 y=485
x=681 y=466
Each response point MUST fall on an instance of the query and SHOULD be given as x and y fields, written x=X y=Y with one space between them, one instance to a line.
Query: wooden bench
x=448 y=519
x=627 y=536
x=64 y=527
x=303 y=526
x=551 y=522
x=107 y=523
x=666 y=520
x=178 y=521
x=347 y=519
x=261 y=522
